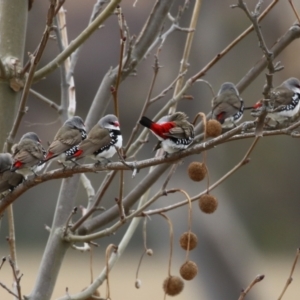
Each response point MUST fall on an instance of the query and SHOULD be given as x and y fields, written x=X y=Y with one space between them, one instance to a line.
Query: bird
x=67 y=139
x=174 y=132
x=8 y=179
x=284 y=101
x=227 y=106
x=27 y=155
x=101 y=141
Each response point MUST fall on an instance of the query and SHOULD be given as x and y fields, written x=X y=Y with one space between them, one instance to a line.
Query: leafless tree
x=69 y=228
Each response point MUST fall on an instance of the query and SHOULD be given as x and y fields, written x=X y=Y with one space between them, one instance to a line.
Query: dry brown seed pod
x=213 y=128
x=208 y=203
x=173 y=285
x=188 y=270
x=184 y=238
x=197 y=170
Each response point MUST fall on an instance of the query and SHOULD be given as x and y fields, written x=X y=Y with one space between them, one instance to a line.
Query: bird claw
x=103 y=162
x=135 y=170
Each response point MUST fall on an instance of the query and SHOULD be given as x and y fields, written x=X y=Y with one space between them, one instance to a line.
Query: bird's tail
x=146 y=122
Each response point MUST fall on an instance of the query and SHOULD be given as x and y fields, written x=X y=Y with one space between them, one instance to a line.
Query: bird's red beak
x=117 y=124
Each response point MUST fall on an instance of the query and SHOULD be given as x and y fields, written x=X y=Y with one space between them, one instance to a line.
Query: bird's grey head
x=292 y=83
x=31 y=136
x=6 y=162
x=228 y=86
x=5 y=158
x=109 y=122
x=75 y=122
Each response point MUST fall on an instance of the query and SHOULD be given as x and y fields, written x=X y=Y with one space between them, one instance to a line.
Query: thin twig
x=109 y=249
x=184 y=64
x=168 y=88
x=82 y=37
x=75 y=55
x=45 y=99
x=171 y=173
x=189 y=217
x=9 y=291
x=253 y=17
x=156 y=68
x=65 y=173
x=68 y=94
x=99 y=195
x=2 y=262
x=290 y=279
x=232 y=44
x=73 y=212
x=163 y=36
x=115 y=89
x=16 y=277
x=34 y=62
x=171 y=241
x=257 y=279
x=12 y=246
x=243 y=162
x=294 y=10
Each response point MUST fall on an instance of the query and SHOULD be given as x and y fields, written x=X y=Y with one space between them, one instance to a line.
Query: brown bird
x=28 y=155
x=101 y=140
x=66 y=139
x=174 y=132
x=8 y=179
x=227 y=106
x=284 y=99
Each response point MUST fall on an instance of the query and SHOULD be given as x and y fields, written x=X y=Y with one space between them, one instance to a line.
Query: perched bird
x=228 y=106
x=174 y=132
x=67 y=139
x=101 y=140
x=8 y=179
x=27 y=155
x=284 y=100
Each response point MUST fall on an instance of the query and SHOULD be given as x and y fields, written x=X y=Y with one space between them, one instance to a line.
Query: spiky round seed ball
x=188 y=270
x=184 y=239
x=213 y=128
x=197 y=171
x=208 y=203
x=173 y=285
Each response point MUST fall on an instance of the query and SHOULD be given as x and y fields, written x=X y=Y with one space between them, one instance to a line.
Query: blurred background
x=256 y=227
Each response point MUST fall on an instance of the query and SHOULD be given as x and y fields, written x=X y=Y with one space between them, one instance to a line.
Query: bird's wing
x=182 y=132
x=71 y=137
x=95 y=140
x=27 y=150
x=65 y=141
x=9 y=180
x=229 y=105
x=281 y=96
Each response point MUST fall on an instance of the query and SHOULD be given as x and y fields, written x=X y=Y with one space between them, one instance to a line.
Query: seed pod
x=188 y=270
x=173 y=285
x=184 y=239
x=149 y=252
x=138 y=283
x=197 y=171
x=208 y=203
x=213 y=128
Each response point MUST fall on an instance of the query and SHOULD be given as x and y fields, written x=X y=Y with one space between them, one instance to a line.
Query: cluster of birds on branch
x=174 y=133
